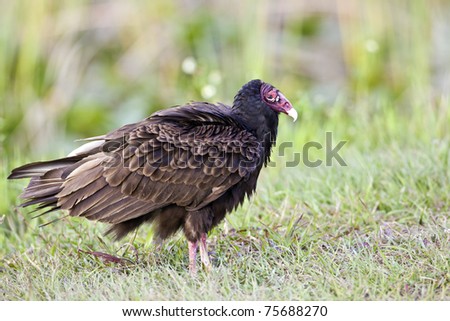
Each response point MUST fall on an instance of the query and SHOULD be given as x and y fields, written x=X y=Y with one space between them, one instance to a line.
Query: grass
x=372 y=75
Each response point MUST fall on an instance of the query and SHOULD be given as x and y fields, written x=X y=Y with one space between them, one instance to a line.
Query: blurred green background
x=71 y=69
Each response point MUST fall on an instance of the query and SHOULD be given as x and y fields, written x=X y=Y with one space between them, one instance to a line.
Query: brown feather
x=181 y=168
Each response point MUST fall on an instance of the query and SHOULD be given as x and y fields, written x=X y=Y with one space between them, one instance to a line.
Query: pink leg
x=204 y=252
x=192 y=256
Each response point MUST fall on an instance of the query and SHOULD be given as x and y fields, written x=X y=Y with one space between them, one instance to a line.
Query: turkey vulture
x=181 y=168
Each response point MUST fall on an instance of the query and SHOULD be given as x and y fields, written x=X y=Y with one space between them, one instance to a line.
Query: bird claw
x=205 y=261
x=192 y=258
x=204 y=254
x=192 y=270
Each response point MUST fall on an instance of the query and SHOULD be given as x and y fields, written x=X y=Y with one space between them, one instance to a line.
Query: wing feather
x=188 y=156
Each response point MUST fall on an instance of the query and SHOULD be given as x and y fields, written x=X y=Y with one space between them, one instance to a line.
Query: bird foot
x=204 y=253
x=192 y=257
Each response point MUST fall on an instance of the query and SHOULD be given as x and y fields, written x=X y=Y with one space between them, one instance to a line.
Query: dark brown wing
x=188 y=156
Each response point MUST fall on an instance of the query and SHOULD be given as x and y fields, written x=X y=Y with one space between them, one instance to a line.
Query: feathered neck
x=255 y=115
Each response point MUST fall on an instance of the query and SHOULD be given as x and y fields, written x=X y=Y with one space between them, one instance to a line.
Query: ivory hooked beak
x=292 y=113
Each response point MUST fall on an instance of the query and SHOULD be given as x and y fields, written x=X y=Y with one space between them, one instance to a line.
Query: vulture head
x=273 y=98
x=259 y=104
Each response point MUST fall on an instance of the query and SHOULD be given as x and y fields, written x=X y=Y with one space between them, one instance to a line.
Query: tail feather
x=77 y=185
x=39 y=199
x=46 y=181
x=45 y=190
x=43 y=213
x=41 y=168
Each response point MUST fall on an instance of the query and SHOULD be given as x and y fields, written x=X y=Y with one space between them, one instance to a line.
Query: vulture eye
x=272 y=96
